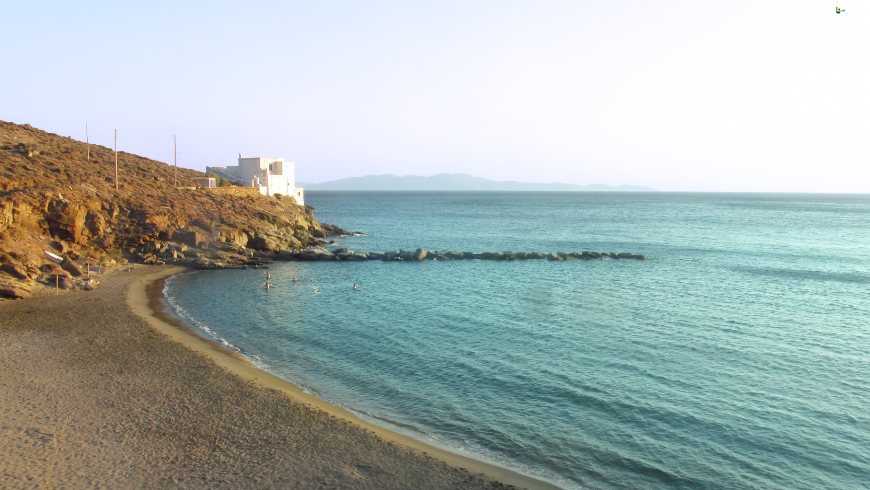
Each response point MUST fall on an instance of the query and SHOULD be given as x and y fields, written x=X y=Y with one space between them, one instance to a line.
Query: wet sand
x=105 y=389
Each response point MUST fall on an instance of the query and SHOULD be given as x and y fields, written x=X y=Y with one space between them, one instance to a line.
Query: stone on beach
x=71 y=267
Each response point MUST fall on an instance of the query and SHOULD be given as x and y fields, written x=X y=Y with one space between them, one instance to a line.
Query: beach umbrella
x=88 y=262
x=57 y=271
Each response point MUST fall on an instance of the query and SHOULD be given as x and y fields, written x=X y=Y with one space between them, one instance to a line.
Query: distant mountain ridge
x=453 y=182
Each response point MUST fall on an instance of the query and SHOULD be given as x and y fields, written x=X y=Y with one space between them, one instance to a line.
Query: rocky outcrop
x=188 y=238
x=53 y=198
x=263 y=244
x=15 y=271
x=13 y=289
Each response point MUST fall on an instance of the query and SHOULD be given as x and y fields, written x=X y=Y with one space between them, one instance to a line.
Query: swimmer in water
x=354 y=286
x=348 y=275
x=268 y=284
x=268 y=274
x=294 y=278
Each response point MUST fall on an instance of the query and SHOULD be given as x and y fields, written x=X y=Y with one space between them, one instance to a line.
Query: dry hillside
x=52 y=198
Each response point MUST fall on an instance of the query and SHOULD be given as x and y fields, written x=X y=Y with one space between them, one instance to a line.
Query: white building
x=270 y=175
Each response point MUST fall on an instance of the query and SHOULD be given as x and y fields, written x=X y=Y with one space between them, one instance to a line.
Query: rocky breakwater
x=422 y=254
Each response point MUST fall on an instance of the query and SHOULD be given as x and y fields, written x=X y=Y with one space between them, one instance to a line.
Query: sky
x=738 y=96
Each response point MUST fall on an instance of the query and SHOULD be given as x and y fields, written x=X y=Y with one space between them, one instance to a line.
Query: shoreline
x=146 y=299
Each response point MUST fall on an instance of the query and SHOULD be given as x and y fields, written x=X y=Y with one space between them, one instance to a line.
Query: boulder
x=469 y=255
x=454 y=255
x=340 y=250
x=71 y=267
x=492 y=256
x=563 y=255
x=64 y=282
x=374 y=255
x=59 y=246
x=419 y=254
x=285 y=255
x=509 y=255
x=535 y=255
x=12 y=289
x=357 y=256
x=315 y=254
x=554 y=256
x=264 y=244
x=14 y=271
x=640 y=257
x=613 y=255
x=521 y=255
x=188 y=238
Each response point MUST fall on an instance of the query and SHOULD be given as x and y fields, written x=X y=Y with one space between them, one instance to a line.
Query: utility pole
x=175 y=172
x=116 y=159
x=88 y=141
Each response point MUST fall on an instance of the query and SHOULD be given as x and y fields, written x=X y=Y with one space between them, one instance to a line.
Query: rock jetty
x=422 y=254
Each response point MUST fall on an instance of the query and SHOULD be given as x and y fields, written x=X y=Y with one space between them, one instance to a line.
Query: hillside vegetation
x=53 y=198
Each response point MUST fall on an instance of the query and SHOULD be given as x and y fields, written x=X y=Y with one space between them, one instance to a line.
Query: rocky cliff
x=54 y=198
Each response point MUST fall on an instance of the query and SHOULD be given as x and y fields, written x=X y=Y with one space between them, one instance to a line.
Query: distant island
x=453 y=182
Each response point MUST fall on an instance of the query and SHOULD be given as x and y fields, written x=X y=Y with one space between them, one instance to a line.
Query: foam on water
x=735 y=358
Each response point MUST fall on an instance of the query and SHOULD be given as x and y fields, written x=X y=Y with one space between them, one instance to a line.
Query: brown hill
x=53 y=196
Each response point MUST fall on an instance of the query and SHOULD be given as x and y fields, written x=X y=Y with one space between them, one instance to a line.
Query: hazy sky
x=677 y=95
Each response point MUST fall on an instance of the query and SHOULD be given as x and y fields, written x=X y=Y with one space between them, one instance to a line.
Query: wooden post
x=116 y=159
x=175 y=172
x=88 y=141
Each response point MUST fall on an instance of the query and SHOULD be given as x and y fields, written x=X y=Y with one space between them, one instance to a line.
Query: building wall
x=237 y=191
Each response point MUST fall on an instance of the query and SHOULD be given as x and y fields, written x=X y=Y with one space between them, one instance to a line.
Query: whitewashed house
x=270 y=175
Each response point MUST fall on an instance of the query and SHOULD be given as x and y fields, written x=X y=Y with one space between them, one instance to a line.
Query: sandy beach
x=105 y=389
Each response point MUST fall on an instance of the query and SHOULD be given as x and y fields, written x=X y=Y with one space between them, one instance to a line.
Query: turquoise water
x=737 y=357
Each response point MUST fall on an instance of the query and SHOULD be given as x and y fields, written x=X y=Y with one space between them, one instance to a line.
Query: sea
x=737 y=356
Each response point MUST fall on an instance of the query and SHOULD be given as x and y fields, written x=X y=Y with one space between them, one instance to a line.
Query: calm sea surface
x=737 y=357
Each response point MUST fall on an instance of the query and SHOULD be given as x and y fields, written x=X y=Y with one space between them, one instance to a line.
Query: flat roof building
x=270 y=175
